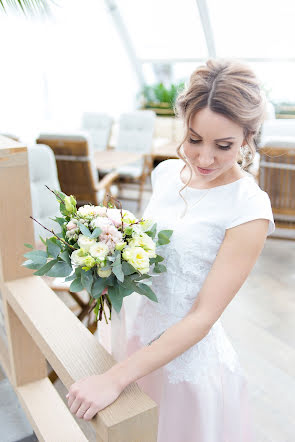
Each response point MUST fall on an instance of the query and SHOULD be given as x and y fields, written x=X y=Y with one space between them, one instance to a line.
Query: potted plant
x=160 y=98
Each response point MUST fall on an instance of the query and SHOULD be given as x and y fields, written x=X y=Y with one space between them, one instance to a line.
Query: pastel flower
x=99 y=250
x=104 y=273
x=111 y=236
x=146 y=242
x=85 y=243
x=101 y=222
x=137 y=257
x=78 y=257
x=115 y=216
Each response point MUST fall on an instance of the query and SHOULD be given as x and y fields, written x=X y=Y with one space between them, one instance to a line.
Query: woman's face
x=213 y=143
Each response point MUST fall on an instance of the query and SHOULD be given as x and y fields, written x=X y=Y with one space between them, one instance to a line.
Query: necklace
x=190 y=207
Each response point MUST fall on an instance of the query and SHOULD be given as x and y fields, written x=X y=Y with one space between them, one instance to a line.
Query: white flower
x=88 y=211
x=99 y=250
x=78 y=257
x=101 y=222
x=115 y=216
x=104 y=273
x=85 y=243
x=137 y=257
x=111 y=236
x=144 y=241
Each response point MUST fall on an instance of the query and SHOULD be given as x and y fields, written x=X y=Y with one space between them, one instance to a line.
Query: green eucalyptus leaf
x=76 y=285
x=31 y=265
x=53 y=249
x=152 y=232
x=159 y=268
x=127 y=268
x=37 y=256
x=60 y=269
x=87 y=280
x=28 y=245
x=98 y=286
x=71 y=277
x=158 y=258
x=115 y=297
x=96 y=232
x=144 y=289
x=44 y=269
x=65 y=257
x=84 y=230
x=117 y=268
x=164 y=237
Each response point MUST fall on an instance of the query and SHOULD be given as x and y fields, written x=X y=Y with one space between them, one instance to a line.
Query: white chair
x=98 y=126
x=135 y=134
x=43 y=171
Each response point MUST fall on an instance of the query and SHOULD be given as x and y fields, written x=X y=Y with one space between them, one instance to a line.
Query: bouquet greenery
x=102 y=249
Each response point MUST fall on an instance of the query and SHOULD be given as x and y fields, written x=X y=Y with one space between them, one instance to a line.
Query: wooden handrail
x=40 y=327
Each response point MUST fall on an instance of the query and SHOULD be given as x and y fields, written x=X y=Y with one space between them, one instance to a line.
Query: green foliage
x=164 y=237
x=153 y=231
x=159 y=93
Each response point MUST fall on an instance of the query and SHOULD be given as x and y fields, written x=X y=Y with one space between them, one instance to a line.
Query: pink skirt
x=214 y=410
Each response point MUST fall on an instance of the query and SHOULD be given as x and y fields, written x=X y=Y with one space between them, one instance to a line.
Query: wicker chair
x=277 y=177
x=76 y=171
x=98 y=126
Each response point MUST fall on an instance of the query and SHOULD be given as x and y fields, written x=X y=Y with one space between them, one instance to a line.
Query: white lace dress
x=202 y=395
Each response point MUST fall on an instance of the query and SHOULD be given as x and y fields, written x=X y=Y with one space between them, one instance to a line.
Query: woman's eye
x=191 y=140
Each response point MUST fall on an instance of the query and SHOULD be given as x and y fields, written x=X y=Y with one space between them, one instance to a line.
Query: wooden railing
x=40 y=327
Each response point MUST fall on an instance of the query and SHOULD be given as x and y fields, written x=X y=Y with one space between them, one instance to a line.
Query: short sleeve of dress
x=257 y=206
x=157 y=172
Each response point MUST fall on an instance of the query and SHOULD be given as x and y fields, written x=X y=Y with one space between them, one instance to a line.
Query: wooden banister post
x=19 y=355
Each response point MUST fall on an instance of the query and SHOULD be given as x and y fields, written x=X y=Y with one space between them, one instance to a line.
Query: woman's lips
x=205 y=171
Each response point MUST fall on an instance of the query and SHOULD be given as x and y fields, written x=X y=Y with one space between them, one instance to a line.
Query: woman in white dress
x=176 y=349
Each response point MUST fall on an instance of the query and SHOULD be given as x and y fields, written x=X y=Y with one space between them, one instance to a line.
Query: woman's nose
x=205 y=159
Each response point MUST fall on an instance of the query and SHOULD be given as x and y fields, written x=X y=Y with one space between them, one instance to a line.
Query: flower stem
x=55 y=234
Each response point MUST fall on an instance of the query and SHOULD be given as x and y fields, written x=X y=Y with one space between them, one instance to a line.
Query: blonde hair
x=228 y=87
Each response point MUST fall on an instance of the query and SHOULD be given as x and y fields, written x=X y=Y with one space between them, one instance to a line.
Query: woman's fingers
x=82 y=409
x=75 y=405
x=90 y=413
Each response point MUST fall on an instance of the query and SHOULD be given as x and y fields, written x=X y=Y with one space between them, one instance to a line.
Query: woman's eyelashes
x=221 y=147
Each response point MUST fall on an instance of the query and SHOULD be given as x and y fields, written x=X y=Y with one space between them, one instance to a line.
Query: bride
x=177 y=350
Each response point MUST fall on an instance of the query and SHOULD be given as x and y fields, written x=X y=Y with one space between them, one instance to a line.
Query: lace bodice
x=188 y=258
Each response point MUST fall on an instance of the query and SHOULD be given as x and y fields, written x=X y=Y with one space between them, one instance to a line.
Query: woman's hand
x=89 y=395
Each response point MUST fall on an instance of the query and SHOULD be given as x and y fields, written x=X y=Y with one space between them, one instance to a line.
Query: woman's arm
x=236 y=257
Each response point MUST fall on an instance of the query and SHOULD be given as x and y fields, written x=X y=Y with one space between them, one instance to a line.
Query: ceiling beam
x=126 y=40
x=207 y=28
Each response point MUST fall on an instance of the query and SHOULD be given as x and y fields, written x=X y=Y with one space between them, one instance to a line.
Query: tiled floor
x=260 y=324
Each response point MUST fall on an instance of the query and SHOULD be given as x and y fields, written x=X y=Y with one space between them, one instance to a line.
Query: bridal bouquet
x=102 y=249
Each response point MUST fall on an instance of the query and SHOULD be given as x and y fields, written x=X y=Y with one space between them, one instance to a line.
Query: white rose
x=104 y=273
x=85 y=243
x=99 y=250
x=77 y=258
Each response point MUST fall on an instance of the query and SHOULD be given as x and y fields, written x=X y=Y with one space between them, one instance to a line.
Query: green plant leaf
x=115 y=297
x=152 y=232
x=144 y=289
x=31 y=265
x=127 y=268
x=28 y=245
x=76 y=285
x=98 y=286
x=158 y=258
x=43 y=240
x=60 y=269
x=58 y=220
x=37 y=256
x=164 y=237
x=117 y=268
x=159 y=268
x=71 y=277
x=96 y=232
x=87 y=280
x=53 y=249
x=44 y=269
x=84 y=230
x=65 y=257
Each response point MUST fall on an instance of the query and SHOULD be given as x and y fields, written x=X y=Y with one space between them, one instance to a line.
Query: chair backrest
x=277 y=176
x=136 y=131
x=75 y=165
x=98 y=126
x=43 y=171
x=277 y=128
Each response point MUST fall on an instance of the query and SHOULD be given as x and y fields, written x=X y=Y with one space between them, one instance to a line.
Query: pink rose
x=71 y=225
